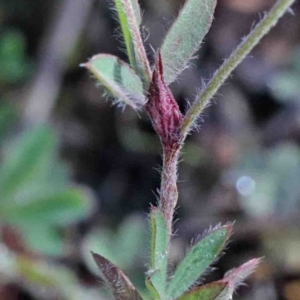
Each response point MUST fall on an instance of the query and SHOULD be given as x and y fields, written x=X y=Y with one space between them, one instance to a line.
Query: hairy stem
x=168 y=189
x=261 y=29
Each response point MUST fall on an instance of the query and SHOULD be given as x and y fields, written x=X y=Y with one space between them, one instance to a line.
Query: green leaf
x=285 y=86
x=118 y=79
x=132 y=237
x=7 y=118
x=34 y=192
x=49 y=276
x=149 y=284
x=54 y=208
x=197 y=260
x=34 y=271
x=129 y=16
x=23 y=159
x=42 y=238
x=118 y=282
x=158 y=251
x=185 y=36
x=14 y=64
x=210 y=291
x=125 y=28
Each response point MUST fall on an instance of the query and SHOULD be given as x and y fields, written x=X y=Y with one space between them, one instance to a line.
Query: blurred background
x=78 y=175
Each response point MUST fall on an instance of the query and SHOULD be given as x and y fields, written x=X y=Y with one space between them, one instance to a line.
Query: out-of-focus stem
x=59 y=42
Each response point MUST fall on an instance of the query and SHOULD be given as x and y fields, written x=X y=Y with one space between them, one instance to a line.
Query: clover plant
x=146 y=87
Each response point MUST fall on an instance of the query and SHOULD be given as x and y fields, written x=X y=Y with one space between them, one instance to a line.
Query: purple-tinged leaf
x=224 y=288
x=236 y=277
x=118 y=282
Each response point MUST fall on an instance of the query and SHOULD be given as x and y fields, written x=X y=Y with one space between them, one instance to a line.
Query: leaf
x=131 y=236
x=54 y=208
x=209 y=291
x=30 y=269
x=232 y=280
x=34 y=195
x=14 y=63
x=159 y=251
x=43 y=238
x=118 y=282
x=235 y=277
x=150 y=286
x=23 y=159
x=129 y=15
x=118 y=79
x=125 y=28
x=185 y=36
x=197 y=260
x=8 y=116
x=137 y=11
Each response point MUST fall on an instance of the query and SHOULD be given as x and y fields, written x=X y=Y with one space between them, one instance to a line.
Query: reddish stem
x=168 y=189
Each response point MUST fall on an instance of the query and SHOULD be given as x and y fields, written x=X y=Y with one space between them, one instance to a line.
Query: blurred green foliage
x=285 y=84
x=126 y=247
x=35 y=195
x=44 y=277
x=14 y=63
x=269 y=182
x=7 y=118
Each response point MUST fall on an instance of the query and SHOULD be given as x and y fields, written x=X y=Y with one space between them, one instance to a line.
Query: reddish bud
x=162 y=108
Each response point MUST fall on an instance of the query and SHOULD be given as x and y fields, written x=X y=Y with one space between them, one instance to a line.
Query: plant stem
x=168 y=189
x=261 y=29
